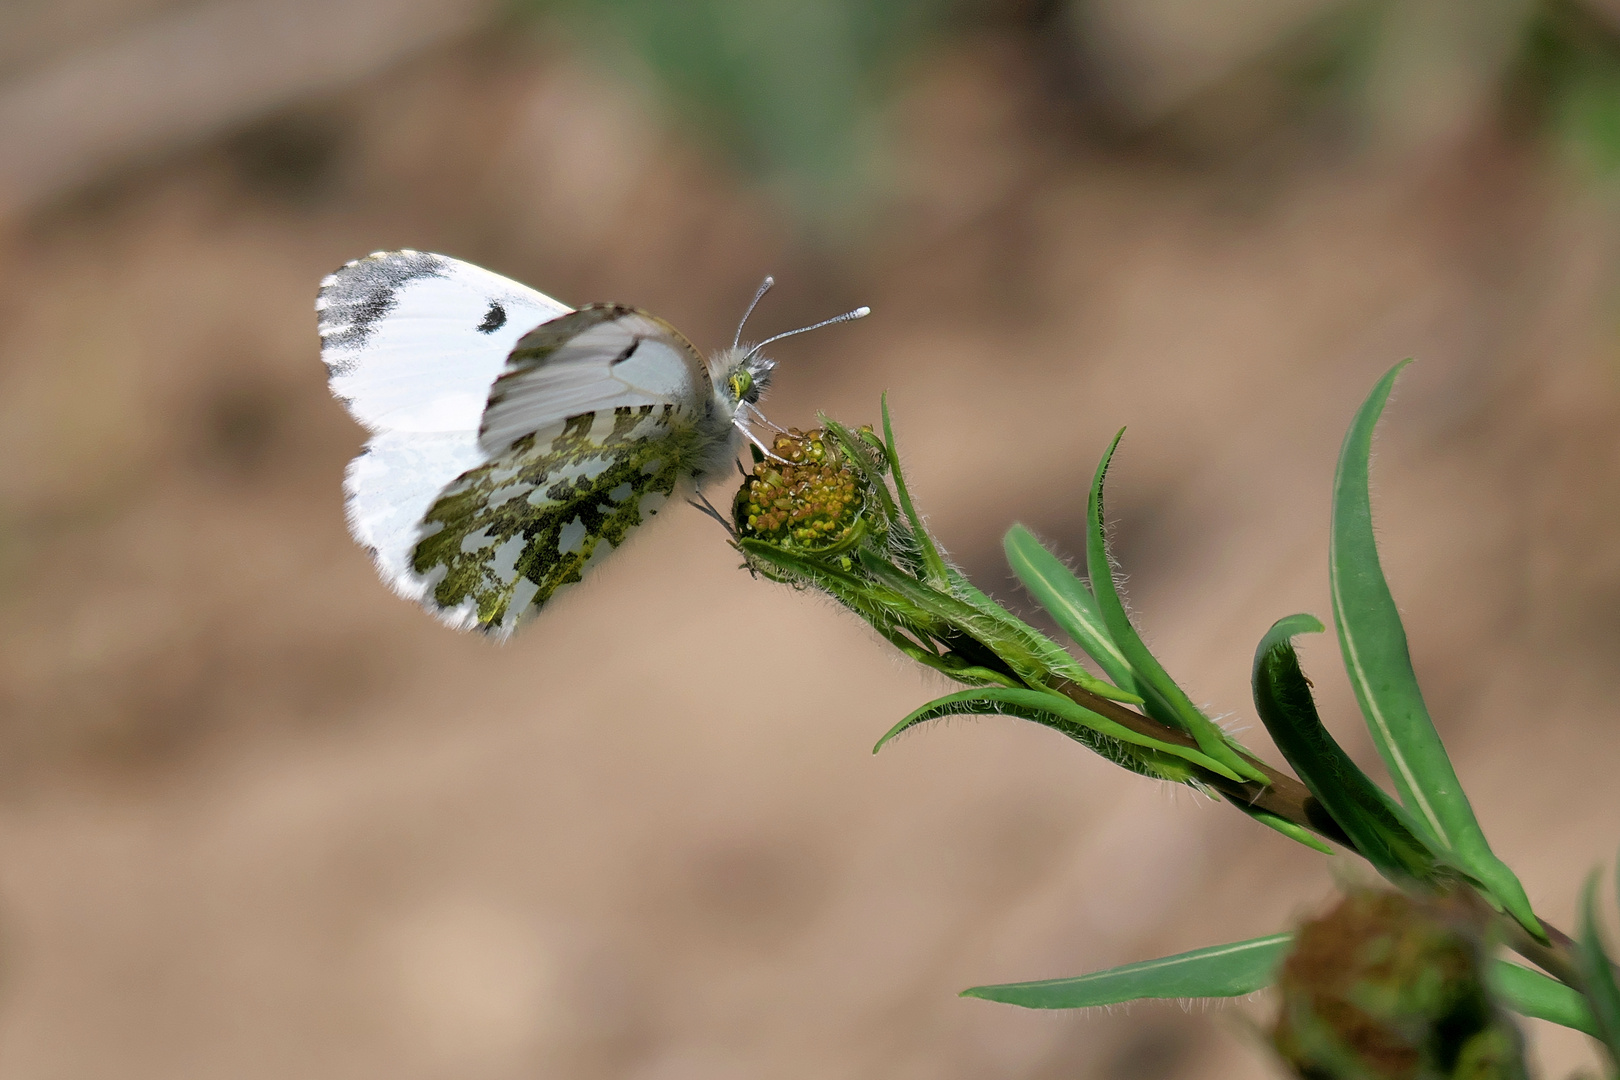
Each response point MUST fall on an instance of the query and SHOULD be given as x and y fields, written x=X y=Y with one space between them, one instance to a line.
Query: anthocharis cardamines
x=515 y=442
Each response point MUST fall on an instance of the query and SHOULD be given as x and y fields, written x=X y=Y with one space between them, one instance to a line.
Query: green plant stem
x=1556 y=957
x=1281 y=795
x=1289 y=799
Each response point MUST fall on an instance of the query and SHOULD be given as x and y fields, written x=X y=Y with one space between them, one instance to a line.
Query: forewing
x=596 y=359
x=412 y=341
x=506 y=536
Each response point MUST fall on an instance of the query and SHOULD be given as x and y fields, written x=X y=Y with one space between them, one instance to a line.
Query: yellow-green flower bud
x=809 y=501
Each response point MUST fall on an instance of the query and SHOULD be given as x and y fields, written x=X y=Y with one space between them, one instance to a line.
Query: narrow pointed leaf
x=1376 y=657
x=1152 y=681
x=876 y=605
x=1220 y=971
x=1037 y=705
x=940 y=578
x=1530 y=993
x=1244 y=967
x=933 y=563
x=1035 y=657
x=1071 y=605
x=856 y=450
x=1286 y=827
x=1145 y=760
x=1047 y=651
x=1597 y=972
x=1381 y=831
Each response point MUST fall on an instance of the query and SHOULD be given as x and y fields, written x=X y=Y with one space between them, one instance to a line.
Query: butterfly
x=516 y=442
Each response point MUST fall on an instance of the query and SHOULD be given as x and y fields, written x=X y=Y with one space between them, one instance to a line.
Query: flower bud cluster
x=808 y=500
x=1388 y=987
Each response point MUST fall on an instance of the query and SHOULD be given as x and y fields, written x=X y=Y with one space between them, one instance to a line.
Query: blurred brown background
x=259 y=818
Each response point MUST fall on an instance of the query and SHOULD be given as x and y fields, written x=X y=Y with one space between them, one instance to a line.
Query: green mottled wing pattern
x=506 y=536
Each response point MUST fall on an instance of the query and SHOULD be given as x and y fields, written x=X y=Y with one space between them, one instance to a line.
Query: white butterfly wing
x=412 y=341
x=603 y=356
x=391 y=486
x=453 y=368
x=593 y=424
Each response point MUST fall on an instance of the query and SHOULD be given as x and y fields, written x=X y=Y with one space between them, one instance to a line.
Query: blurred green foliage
x=788 y=87
x=1556 y=63
x=791 y=90
x=1569 y=77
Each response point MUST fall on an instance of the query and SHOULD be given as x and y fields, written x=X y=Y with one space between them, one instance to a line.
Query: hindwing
x=506 y=536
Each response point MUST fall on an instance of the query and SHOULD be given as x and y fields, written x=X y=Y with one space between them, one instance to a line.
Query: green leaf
x=1035 y=657
x=1046 y=651
x=1284 y=826
x=1039 y=706
x=1139 y=759
x=1597 y=972
x=789 y=90
x=1219 y=971
x=911 y=568
x=857 y=451
x=1246 y=966
x=1066 y=598
x=1152 y=681
x=881 y=607
x=1373 y=642
x=1381 y=831
x=1530 y=993
x=933 y=563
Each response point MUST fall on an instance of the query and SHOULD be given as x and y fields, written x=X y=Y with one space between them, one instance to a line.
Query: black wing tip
x=361 y=293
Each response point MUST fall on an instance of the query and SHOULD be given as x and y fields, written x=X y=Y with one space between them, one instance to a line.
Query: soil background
x=260 y=818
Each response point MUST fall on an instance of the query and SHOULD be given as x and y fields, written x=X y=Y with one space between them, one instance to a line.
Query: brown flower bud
x=1388 y=987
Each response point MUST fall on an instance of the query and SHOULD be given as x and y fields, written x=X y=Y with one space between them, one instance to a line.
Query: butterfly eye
x=740 y=383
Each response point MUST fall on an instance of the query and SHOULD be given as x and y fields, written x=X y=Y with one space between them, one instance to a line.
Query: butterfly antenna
x=848 y=316
x=764 y=287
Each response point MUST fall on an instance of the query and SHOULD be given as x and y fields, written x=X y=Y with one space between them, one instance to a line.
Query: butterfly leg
x=759 y=414
x=702 y=503
x=741 y=425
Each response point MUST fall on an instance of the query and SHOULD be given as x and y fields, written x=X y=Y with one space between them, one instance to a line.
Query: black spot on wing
x=494 y=319
x=629 y=351
x=360 y=295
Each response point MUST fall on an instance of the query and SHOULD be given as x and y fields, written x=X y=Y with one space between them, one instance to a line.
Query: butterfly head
x=749 y=377
x=744 y=374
